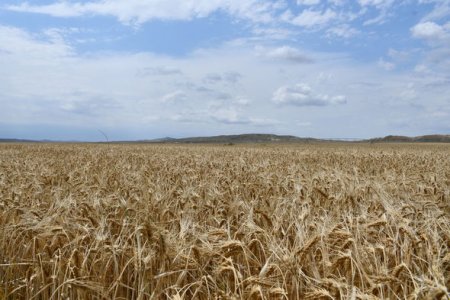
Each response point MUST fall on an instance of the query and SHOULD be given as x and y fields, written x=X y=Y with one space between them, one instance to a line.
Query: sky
x=143 y=69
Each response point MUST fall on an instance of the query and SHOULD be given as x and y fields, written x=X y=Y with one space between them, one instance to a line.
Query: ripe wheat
x=327 y=221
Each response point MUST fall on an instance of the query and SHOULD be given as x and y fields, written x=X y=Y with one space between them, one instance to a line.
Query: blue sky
x=140 y=69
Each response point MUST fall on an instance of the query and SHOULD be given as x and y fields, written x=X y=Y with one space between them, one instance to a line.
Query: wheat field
x=305 y=221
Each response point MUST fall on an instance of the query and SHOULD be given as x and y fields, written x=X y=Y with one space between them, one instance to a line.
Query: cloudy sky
x=138 y=69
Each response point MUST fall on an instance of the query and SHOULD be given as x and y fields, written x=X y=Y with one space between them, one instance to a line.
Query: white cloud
x=437 y=57
x=378 y=20
x=376 y=3
x=398 y=55
x=227 y=116
x=263 y=122
x=141 y=11
x=429 y=31
x=440 y=10
x=421 y=68
x=343 y=31
x=188 y=117
x=388 y=66
x=232 y=117
x=308 y=2
x=286 y=53
x=313 y=18
x=242 y=101
x=174 y=97
x=158 y=71
x=301 y=94
x=229 y=77
x=408 y=93
x=337 y=2
x=88 y=105
x=266 y=33
x=59 y=9
x=384 y=7
x=303 y=123
x=19 y=42
x=223 y=115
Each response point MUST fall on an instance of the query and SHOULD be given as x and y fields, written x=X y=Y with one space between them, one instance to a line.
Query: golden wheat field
x=323 y=221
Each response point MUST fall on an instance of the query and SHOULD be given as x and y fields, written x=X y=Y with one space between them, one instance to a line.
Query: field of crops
x=325 y=221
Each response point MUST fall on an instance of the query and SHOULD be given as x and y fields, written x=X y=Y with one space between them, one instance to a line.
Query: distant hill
x=273 y=138
x=16 y=141
x=164 y=139
x=267 y=138
x=434 y=138
x=239 y=139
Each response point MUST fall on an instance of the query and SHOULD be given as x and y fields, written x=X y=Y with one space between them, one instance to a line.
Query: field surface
x=305 y=221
